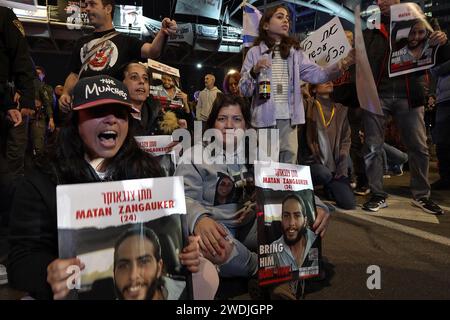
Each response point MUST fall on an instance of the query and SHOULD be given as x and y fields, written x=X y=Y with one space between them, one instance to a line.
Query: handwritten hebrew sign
x=327 y=44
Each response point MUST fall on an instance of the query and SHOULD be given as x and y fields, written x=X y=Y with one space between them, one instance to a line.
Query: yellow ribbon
x=325 y=123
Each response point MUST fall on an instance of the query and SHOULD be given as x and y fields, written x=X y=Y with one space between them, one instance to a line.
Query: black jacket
x=15 y=61
x=413 y=86
x=33 y=228
x=148 y=125
x=34 y=234
x=151 y=114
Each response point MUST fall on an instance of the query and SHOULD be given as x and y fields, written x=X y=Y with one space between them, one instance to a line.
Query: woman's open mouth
x=108 y=138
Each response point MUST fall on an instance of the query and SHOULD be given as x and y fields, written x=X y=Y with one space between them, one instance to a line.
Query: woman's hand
x=212 y=236
x=190 y=256
x=321 y=224
x=223 y=256
x=58 y=276
x=263 y=63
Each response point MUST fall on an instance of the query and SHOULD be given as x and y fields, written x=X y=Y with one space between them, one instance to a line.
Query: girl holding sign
x=286 y=64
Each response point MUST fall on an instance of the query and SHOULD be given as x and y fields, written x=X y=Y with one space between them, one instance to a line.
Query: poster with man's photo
x=409 y=42
x=288 y=249
x=164 y=81
x=128 y=235
x=128 y=17
x=168 y=98
x=71 y=12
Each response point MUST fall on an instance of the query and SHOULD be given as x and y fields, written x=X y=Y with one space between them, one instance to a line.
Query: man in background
x=106 y=50
x=206 y=98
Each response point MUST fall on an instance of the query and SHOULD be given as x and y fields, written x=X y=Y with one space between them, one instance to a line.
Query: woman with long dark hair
x=227 y=224
x=231 y=83
x=325 y=144
x=222 y=214
x=151 y=119
x=96 y=145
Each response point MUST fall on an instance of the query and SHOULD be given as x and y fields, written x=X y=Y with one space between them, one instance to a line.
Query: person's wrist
x=343 y=65
x=198 y=220
x=203 y=216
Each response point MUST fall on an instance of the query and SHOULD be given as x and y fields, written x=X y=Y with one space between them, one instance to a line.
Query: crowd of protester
x=59 y=136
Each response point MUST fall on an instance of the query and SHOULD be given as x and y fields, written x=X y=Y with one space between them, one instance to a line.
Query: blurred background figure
x=15 y=67
x=42 y=119
x=58 y=115
x=206 y=98
x=231 y=83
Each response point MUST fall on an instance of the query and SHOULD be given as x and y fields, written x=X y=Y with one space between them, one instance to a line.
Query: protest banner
x=111 y=226
x=410 y=49
x=328 y=44
x=159 y=146
x=288 y=250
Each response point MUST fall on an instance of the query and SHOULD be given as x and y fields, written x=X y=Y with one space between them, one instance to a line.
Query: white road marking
x=396 y=226
x=401 y=208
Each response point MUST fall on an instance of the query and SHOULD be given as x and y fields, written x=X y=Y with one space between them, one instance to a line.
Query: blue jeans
x=340 y=188
x=393 y=157
x=411 y=124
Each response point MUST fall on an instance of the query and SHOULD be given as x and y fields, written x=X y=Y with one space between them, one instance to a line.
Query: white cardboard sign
x=328 y=44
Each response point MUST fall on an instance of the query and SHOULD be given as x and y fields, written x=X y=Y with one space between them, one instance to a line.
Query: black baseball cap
x=100 y=90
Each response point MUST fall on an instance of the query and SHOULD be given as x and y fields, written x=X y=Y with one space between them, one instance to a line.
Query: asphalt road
x=410 y=247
